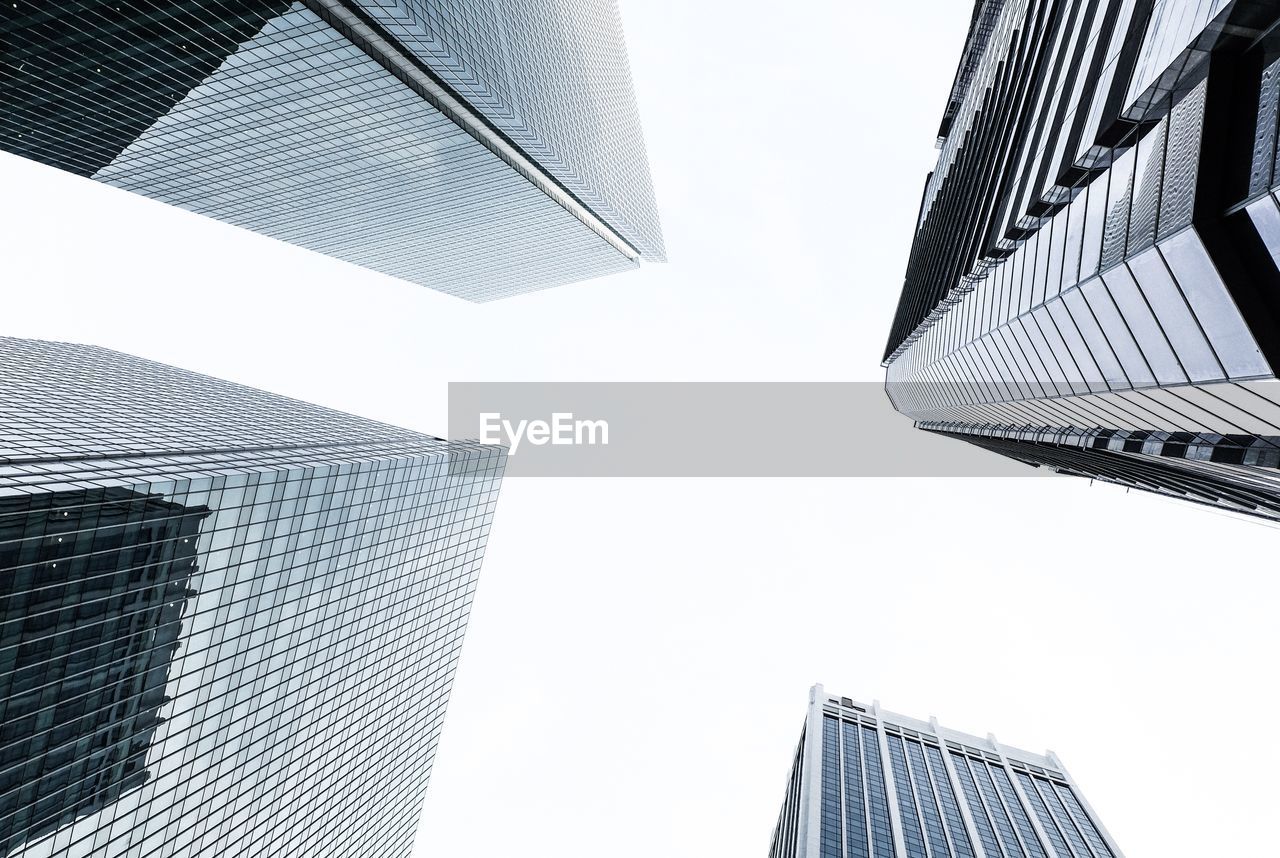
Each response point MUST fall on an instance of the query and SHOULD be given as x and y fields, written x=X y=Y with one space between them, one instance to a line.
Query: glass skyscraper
x=479 y=147
x=872 y=784
x=1093 y=285
x=229 y=621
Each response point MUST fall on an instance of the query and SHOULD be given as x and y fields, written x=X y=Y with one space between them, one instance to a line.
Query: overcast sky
x=635 y=674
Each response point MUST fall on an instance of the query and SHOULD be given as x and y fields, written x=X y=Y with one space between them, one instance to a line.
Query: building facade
x=479 y=148
x=866 y=783
x=1093 y=285
x=229 y=621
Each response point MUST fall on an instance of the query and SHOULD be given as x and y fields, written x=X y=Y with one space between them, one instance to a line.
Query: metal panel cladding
x=1093 y=285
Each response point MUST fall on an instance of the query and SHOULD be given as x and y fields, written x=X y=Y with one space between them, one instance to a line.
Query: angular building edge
x=1093 y=281
x=238 y=596
x=800 y=832
x=406 y=137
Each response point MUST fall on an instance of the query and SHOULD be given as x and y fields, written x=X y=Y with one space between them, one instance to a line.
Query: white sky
x=636 y=670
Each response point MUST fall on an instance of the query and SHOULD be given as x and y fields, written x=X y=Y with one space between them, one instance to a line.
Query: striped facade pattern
x=872 y=784
x=1095 y=266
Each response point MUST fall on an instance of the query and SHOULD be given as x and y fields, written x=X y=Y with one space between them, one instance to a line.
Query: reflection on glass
x=1137 y=316
x=1180 y=327
x=84 y=80
x=93 y=585
x=1215 y=310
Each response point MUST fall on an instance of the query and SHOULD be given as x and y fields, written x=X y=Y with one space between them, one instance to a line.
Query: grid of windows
x=392 y=184
x=1004 y=786
x=856 y=844
x=1047 y=823
x=980 y=777
x=235 y=639
x=912 y=835
x=77 y=92
x=935 y=795
x=938 y=846
x=977 y=811
x=950 y=809
x=832 y=830
x=90 y=623
x=1062 y=817
x=302 y=122
x=1109 y=277
x=881 y=830
x=514 y=61
x=1082 y=821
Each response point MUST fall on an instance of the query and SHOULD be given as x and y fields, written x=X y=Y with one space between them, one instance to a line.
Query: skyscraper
x=229 y=621
x=871 y=784
x=1093 y=285
x=104 y=677
x=480 y=148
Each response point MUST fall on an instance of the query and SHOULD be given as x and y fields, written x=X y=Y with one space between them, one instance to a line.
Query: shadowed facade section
x=94 y=586
x=80 y=81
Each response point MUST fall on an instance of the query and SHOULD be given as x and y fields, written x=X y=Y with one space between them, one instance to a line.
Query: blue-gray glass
x=950 y=808
x=977 y=809
x=509 y=160
x=832 y=825
x=871 y=788
x=927 y=802
x=856 y=844
x=488 y=51
x=881 y=833
x=229 y=621
x=912 y=834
